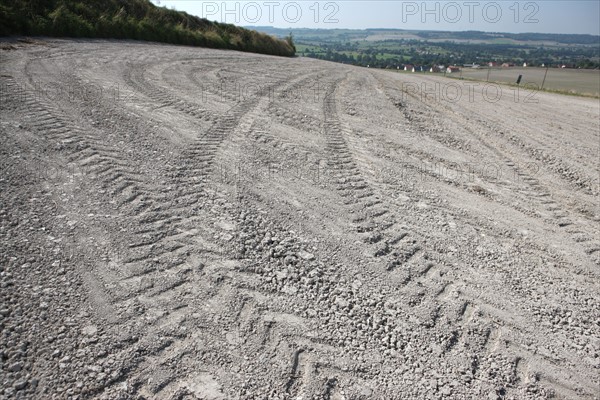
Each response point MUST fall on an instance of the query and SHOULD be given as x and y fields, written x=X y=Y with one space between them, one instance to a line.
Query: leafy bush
x=131 y=19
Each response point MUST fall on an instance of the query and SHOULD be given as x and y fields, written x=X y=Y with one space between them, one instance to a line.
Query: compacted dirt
x=188 y=223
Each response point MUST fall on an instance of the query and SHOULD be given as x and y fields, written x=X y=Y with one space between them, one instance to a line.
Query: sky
x=542 y=16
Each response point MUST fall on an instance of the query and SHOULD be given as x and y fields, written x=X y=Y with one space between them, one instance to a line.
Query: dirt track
x=220 y=225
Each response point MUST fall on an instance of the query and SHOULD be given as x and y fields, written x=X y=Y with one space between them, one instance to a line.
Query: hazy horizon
x=558 y=17
x=410 y=30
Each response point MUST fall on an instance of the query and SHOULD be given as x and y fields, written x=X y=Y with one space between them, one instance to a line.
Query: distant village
x=454 y=68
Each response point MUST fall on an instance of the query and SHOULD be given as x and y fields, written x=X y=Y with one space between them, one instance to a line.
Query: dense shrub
x=130 y=19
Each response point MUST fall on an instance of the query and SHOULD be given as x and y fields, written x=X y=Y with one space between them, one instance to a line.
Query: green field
x=577 y=81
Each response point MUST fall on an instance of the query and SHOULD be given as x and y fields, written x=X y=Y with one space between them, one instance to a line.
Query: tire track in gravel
x=175 y=288
x=562 y=215
x=305 y=91
x=163 y=279
x=199 y=298
x=137 y=293
x=278 y=337
x=215 y=90
x=374 y=222
x=84 y=148
x=135 y=197
x=294 y=152
x=89 y=152
x=170 y=376
x=150 y=293
x=219 y=89
x=134 y=76
x=287 y=335
x=538 y=149
x=284 y=335
x=431 y=271
x=473 y=116
x=281 y=299
x=488 y=333
x=487 y=339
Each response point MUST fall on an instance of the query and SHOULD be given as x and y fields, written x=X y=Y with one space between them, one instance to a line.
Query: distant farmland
x=570 y=80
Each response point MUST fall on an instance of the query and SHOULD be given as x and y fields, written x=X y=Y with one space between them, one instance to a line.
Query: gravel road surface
x=185 y=223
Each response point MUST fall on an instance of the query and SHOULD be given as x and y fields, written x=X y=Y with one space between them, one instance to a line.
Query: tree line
x=394 y=53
